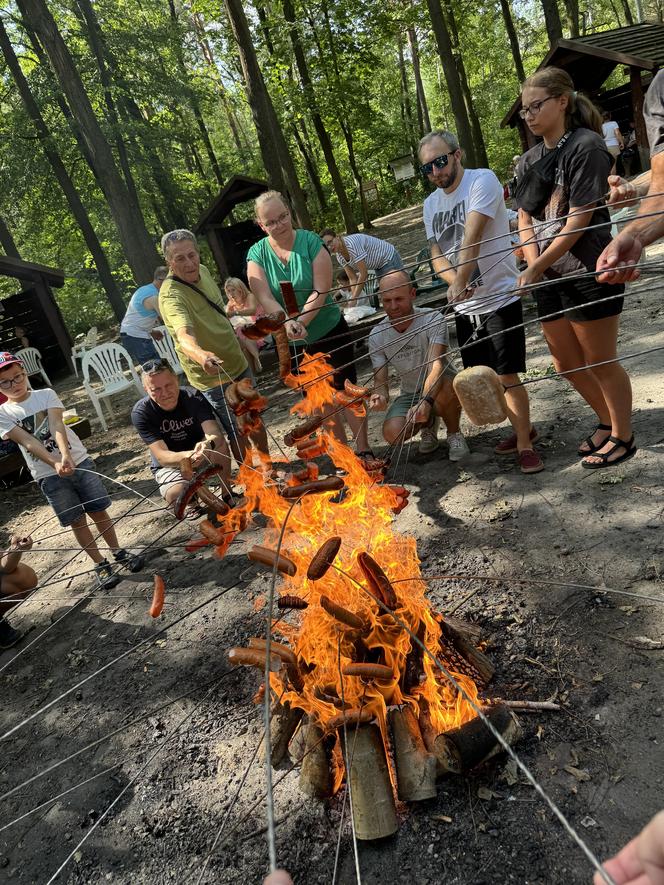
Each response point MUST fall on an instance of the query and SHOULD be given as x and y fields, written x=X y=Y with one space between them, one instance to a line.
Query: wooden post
x=472 y=743
x=217 y=252
x=416 y=768
x=282 y=728
x=636 y=86
x=54 y=318
x=316 y=778
x=374 y=812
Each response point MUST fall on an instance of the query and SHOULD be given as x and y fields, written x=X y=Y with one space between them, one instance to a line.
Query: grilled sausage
x=231 y=395
x=213 y=533
x=268 y=557
x=350 y=619
x=158 y=595
x=246 y=390
x=315 y=487
x=286 y=654
x=350 y=717
x=197 y=544
x=222 y=549
x=323 y=558
x=306 y=428
x=355 y=390
x=311 y=451
x=186 y=468
x=283 y=351
x=209 y=500
x=252 y=657
x=288 y=294
x=289 y=600
x=378 y=582
x=369 y=671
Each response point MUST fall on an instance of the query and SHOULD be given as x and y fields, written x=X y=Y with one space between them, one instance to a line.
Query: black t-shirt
x=653 y=112
x=583 y=167
x=180 y=428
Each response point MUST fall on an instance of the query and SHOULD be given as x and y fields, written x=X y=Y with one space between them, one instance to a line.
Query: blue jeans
x=73 y=496
x=140 y=349
x=215 y=396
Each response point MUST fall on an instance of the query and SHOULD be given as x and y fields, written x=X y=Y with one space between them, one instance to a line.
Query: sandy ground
x=600 y=758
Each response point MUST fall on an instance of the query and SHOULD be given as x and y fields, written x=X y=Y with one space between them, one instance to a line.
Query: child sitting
x=61 y=466
x=16 y=582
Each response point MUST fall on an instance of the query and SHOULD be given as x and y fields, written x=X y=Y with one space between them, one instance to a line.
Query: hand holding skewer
x=19 y=543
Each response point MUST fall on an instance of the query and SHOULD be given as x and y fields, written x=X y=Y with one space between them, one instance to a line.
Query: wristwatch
x=428 y=399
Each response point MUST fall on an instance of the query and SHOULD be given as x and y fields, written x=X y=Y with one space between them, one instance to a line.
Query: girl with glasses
x=558 y=247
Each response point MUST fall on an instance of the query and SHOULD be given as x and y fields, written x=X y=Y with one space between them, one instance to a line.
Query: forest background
x=120 y=120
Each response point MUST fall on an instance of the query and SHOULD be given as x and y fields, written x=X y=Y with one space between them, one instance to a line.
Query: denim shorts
x=392 y=264
x=140 y=349
x=73 y=496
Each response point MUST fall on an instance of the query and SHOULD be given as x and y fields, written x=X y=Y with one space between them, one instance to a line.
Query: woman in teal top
x=300 y=257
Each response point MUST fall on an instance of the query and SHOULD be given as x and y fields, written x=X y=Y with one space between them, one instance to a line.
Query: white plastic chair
x=88 y=341
x=106 y=361
x=32 y=360
x=166 y=349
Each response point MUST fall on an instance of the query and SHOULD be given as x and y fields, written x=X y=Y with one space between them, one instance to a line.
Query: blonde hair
x=265 y=197
x=236 y=283
x=580 y=111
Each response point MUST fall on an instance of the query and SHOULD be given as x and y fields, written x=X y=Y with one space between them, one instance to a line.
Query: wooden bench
x=14 y=464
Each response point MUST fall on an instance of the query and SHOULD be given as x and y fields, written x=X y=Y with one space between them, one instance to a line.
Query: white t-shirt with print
x=408 y=352
x=32 y=415
x=609 y=133
x=445 y=216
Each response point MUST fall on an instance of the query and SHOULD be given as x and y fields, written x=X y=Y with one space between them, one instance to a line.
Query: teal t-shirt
x=300 y=272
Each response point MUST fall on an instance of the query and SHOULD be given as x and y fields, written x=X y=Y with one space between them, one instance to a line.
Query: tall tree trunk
x=406 y=106
x=274 y=148
x=191 y=95
x=6 y=239
x=88 y=18
x=554 y=27
x=451 y=72
x=136 y=242
x=322 y=133
x=423 y=119
x=572 y=11
x=481 y=158
x=310 y=164
x=514 y=40
x=59 y=170
x=627 y=9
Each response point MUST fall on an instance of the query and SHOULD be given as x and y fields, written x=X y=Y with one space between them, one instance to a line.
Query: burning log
x=268 y=557
x=416 y=768
x=323 y=559
x=350 y=619
x=482 y=666
x=374 y=812
x=379 y=583
x=472 y=743
x=414 y=669
x=316 y=778
x=283 y=723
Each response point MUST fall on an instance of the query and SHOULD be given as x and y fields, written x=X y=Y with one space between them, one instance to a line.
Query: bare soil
x=600 y=758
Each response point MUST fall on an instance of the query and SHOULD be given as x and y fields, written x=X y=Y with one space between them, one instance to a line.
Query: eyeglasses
x=534 y=107
x=439 y=163
x=276 y=221
x=154 y=366
x=10 y=382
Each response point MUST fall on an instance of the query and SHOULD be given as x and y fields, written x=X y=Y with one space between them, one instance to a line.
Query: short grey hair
x=448 y=137
x=160 y=274
x=176 y=236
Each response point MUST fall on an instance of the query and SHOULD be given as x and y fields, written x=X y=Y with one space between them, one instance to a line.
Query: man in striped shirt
x=357 y=254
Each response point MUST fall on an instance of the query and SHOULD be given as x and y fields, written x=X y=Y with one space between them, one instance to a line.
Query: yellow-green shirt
x=179 y=306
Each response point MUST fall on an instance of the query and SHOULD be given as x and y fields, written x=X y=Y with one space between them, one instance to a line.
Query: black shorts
x=505 y=353
x=572 y=296
x=339 y=346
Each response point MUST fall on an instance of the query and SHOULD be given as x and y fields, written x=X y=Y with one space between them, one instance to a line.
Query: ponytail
x=580 y=111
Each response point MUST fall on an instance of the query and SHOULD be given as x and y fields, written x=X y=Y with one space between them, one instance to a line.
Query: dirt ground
x=185 y=725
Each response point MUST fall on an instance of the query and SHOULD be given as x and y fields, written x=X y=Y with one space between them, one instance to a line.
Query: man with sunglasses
x=468 y=230
x=176 y=423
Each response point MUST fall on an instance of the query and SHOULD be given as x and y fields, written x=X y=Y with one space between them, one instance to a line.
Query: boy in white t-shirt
x=61 y=466
x=413 y=341
x=467 y=228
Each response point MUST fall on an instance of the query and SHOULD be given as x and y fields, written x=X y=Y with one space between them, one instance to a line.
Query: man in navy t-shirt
x=175 y=423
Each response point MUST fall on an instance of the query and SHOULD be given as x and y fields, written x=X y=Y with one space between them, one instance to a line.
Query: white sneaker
x=429 y=438
x=458 y=446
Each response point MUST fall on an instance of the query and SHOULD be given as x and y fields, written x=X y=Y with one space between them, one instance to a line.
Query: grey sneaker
x=458 y=447
x=133 y=562
x=429 y=438
x=8 y=636
x=105 y=575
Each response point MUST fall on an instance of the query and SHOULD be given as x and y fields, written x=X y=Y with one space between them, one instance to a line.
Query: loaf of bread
x=481 y=395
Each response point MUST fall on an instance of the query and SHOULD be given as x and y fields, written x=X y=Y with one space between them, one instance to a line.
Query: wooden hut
x=589 y=60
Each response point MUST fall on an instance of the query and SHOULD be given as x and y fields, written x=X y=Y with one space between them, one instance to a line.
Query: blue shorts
x=215 y=396
x=394 y=263
x=140 y=349
x=73 y=496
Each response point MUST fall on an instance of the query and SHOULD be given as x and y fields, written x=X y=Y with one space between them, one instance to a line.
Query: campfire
x=343 y=664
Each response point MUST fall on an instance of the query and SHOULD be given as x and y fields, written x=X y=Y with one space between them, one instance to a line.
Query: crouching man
x=175 y=423
x=413 y=340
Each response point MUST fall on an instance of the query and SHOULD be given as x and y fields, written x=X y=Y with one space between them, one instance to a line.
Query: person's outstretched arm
x=641 y=861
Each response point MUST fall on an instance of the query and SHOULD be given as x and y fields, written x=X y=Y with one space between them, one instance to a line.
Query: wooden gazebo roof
x=238 y=189
x=590 y=59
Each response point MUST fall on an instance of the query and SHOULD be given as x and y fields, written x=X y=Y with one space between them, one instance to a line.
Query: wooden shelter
x=590 y=59
x=34 y=310
x=229 y=243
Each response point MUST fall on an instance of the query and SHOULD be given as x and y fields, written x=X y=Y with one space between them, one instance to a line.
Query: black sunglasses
x=155 y=366
x=439 y=162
